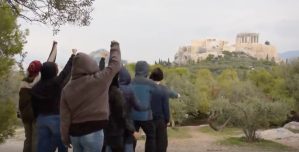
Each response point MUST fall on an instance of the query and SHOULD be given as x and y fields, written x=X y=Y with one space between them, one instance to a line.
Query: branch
x=212 y=121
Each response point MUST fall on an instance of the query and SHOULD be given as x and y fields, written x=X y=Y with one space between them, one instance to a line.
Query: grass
x=262 y=144
x=178 y=133
x=294 y=131
x=226 y=131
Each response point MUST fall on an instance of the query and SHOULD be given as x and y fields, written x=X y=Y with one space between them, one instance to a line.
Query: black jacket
x=116 y=125
x=130 y=102
x=46 y=92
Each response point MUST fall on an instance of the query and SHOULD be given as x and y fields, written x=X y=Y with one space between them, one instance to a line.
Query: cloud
x=149 y=30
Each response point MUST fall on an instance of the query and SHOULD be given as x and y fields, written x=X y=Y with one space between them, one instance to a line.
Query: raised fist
x=114 y=43
x=74 y=51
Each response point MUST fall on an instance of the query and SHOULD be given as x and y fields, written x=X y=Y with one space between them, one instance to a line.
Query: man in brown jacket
x=26 y=113
x=84 y=107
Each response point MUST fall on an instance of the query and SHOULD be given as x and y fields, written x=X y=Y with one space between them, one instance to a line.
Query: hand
x=179 y=95
x=114 y=43
x=74 y=51
x=69 y=146
x=136 y=135
x=168 y=124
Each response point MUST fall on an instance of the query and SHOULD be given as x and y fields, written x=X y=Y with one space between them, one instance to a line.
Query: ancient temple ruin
x=247 y=38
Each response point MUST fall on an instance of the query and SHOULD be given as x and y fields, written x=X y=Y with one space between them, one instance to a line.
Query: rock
x=292 y=125
x=278 y=134
x=96 y=55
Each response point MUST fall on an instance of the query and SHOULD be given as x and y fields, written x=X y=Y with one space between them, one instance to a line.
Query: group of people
x=100 y=109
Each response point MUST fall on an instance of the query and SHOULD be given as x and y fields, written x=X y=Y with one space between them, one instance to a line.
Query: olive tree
x=12 y=41
x=246 y=106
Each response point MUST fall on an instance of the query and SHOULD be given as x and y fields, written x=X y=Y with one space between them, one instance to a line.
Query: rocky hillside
x=96 y=55
x=256 y=50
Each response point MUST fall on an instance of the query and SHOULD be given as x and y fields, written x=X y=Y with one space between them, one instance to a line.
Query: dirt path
x=198 y=142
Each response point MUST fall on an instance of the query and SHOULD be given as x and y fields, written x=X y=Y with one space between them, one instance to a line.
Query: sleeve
x=102 y=64
x=172 y=94
x=65 y=73
x=65 y=121
x=113 y=67
x=130 y=126
x=166 y=108
x=34 y=106
x=135 y=103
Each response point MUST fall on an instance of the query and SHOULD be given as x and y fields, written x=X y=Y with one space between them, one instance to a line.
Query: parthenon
x=247 y=38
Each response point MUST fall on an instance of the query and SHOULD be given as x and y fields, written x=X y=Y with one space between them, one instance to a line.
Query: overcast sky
x=153 y=29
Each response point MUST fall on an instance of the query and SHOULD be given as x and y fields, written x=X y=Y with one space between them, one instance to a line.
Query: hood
x=48 y=71
x=83 y=65
x=124 y=76
x=141 y=68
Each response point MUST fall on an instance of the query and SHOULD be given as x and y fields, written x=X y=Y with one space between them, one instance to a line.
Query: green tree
x=267 y=43
x=12 y=41
x=247 y=108
x=54 y=13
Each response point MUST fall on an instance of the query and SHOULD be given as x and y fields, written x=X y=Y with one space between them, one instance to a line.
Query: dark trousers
x=161 y=135
x=112 y=149
x=30 y=143
x=149 y=129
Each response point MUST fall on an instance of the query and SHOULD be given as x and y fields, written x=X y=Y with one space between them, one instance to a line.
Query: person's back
x=130 y=103
x=160 y=107
x=25 y=106
x=143 y=87
x=84 y=107
x=45 y=103
x=159 y=104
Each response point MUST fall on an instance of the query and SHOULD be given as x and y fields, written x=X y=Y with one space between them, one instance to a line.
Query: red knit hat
x=34 y=68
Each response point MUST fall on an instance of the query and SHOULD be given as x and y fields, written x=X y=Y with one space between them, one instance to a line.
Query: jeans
x=88 y=143
x=49 y=137
x=129 y=148
x=149 y=129
x=30 y=142
x=161 y=136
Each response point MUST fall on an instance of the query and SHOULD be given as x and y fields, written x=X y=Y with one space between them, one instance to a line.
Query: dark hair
x=157 y=74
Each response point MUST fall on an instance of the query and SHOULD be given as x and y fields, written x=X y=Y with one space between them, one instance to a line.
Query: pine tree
x=267 y=57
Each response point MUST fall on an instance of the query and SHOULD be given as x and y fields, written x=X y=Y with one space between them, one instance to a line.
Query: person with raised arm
x=84 y=108
x=45 y=96
x=129 y=102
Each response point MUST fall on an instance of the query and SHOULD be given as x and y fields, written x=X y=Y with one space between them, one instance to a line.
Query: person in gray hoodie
x=84 y=106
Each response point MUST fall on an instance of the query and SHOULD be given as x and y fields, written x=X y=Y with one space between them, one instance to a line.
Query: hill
x=96 y=56
x=289 y=54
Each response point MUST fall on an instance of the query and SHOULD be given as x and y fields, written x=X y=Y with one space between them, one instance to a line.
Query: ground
x=189 y=139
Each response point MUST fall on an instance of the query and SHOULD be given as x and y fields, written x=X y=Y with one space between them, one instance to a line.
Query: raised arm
x=65 y=121
x=113 y=67
x=65 y=73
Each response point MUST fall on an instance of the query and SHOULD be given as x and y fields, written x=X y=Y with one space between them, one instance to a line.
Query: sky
x=153 y=29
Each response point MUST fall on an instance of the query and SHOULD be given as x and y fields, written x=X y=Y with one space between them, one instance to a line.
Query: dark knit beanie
x=157 y=75
x=34 y=68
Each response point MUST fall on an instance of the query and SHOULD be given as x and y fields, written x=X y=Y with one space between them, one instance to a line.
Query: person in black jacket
x=45 y=96
x=113 y=133
x=130 y=102
x=160 y=111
